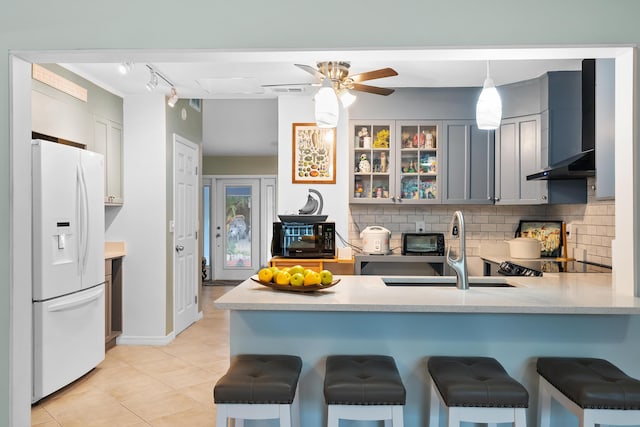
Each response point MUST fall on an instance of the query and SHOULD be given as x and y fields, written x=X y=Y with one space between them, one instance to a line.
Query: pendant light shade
x=347 y=98
x=489 y=107
x=327 y=107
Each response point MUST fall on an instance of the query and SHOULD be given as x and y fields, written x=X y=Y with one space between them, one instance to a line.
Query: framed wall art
x=314 y=154
x=549 y=233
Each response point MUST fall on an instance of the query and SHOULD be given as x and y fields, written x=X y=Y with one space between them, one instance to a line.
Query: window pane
x=238 y=226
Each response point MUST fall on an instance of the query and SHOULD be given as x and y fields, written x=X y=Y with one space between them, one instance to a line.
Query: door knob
x=179 y=248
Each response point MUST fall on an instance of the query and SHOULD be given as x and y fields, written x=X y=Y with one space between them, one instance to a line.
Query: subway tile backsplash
x=592 y=223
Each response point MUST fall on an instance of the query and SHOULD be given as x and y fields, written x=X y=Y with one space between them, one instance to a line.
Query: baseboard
x=143 y=340
x=200 y=315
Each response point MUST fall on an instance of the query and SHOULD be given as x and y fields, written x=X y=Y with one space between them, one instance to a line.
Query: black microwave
x=423 y=244
x=304 y=240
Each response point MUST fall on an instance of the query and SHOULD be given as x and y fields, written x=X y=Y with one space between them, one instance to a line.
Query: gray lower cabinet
x=469 y=161
x=519 y=152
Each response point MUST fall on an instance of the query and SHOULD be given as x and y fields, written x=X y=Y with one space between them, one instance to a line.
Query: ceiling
x=242 y=75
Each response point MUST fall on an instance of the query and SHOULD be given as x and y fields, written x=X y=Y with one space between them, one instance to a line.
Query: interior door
x=237 y=228
x=185 y=213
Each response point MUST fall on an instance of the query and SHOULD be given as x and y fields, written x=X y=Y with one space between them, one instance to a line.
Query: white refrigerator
x=68 y=264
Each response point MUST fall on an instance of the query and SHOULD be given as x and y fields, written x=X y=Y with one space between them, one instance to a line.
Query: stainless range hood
x=583 y=164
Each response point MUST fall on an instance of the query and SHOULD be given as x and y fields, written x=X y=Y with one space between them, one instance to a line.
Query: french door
x=243 y=212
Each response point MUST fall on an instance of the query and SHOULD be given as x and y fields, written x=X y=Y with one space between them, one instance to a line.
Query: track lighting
x=153 y=81
x=125 y=67
x=173 y=98
x=489 y=107
x=326 y=108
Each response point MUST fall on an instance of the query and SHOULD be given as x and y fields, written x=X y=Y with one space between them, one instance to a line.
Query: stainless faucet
x=459 y=263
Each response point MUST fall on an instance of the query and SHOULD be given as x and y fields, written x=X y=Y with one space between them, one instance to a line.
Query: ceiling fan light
x=173 y=98
x=347 y=98
x=326 y=106
x=489 y=106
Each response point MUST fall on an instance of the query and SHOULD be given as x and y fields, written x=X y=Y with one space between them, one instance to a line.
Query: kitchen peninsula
x=554 y=315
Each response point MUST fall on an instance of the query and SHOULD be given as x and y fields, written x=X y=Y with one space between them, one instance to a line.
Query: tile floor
x=160 y=386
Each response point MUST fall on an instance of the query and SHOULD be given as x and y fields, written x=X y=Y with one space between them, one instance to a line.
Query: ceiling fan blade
x=317 y=74
x=373 y=89
x=375 y=74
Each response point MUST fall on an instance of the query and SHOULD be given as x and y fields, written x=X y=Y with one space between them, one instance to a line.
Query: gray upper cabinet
x=468 y=163
x=542 y=126
x=519 y=153
x=605 y=128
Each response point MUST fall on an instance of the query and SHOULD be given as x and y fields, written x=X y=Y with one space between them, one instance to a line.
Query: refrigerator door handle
x=84 y=218
x=79 y=225
x=76 y=302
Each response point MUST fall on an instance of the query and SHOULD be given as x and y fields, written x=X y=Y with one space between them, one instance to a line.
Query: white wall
x=142 y=222
x=292 y=197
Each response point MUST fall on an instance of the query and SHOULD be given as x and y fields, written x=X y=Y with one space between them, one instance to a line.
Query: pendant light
x=489 y=107
x=326 y=107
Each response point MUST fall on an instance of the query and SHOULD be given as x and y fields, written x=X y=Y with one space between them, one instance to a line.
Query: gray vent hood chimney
x=583 y=164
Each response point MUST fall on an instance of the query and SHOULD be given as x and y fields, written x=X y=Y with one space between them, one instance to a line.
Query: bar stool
x=259 y=387
x=363 y=387
x=475 y=389
x=594 y=390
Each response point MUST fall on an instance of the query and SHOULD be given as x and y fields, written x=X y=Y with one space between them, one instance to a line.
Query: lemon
x=312 y=279
x=296 y=269
x=297 y=279
x=265 y=275
x=326 y=277
x=283 y=278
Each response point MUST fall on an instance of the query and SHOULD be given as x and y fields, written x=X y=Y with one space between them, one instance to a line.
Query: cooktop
x=538 y=267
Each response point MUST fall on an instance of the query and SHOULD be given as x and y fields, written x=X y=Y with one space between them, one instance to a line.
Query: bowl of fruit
x=295 y=279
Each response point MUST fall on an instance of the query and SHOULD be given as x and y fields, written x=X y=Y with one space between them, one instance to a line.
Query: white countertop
x=554 y=293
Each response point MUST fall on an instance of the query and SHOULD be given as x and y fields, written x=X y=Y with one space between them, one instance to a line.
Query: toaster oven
x=423 y=244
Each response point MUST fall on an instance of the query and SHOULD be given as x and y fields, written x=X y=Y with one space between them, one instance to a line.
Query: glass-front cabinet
x=395 y=162
x=373 y=160
x=419 y=161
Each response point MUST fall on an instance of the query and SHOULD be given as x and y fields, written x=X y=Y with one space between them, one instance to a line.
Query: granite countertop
x=554 y=293
x=114 y=250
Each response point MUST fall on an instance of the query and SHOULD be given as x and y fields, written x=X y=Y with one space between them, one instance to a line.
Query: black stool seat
x=476 y=382
x=591 y=383
x=363 y=380
x=259 y=378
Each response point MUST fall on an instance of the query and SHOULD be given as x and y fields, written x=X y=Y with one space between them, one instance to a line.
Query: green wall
x=280 y=24
x=240 y=165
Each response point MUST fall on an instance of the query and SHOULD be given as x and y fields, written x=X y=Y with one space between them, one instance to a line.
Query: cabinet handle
x=497 y=199
x=544 y=197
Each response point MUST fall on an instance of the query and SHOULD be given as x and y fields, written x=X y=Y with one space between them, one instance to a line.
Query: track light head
x=153 y=81
x=125 y=67
x=173 y=98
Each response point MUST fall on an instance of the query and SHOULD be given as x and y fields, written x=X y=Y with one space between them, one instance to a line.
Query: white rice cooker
x=375 y=240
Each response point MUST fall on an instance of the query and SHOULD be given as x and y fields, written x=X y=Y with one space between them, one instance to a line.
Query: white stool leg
x=544 y=405
x=434 y=407
x=586 y=420
x=285 y=415
x=520 y=418
x=453 y=417
x=397 y=416
x=332 y=417
x=221 y=416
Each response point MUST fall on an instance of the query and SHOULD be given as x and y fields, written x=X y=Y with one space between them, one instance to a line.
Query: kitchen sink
x=447 y=281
